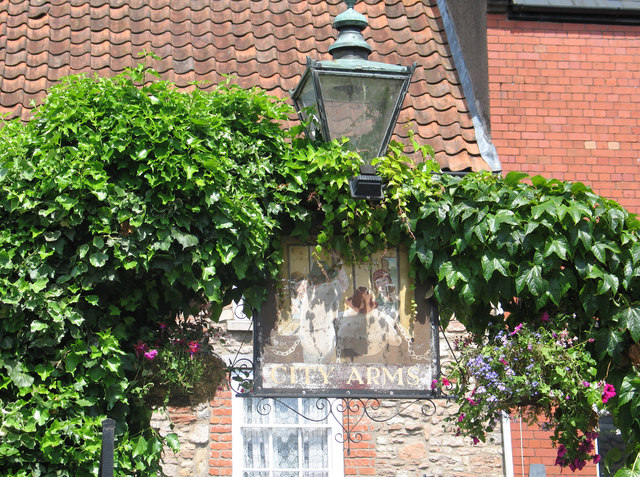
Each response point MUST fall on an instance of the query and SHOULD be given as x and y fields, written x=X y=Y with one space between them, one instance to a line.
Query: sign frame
x=310 y=373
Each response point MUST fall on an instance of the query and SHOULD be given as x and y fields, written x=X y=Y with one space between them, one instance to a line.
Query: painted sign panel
x=335 y=328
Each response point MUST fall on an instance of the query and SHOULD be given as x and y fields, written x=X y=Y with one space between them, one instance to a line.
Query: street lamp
x=353 y=97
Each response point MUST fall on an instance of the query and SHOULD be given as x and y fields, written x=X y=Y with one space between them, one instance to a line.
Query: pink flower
x=461 y=417
x=471 y=401
x=502 y=360
x=434 y=384
x=545 y=317
x=475 y=440
x=516 y=329
x=586 y=384
x=446 y=382
x=151 y=354
x=608 y=392
x=596 y=458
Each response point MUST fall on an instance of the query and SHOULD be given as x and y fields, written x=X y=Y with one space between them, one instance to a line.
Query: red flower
x=194 y=347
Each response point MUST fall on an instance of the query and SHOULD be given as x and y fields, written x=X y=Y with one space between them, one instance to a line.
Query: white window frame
x=336 y=449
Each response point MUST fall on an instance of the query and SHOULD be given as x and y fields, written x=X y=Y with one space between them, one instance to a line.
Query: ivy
x=126 y=201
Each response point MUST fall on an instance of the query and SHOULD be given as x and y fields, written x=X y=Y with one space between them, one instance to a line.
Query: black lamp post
x=353 y=97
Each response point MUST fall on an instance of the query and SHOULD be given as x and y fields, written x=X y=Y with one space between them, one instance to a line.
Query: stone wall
x=192 y=427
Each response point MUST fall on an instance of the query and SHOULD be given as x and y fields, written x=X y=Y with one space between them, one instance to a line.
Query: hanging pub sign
x=333 y=328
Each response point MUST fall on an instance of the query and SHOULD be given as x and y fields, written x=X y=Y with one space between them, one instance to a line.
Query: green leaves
x=15 y=371
x=123 y=203
x=628 y=318
x=530 y=277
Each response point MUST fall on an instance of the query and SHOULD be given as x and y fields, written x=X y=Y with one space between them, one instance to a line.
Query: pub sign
x=334 y=328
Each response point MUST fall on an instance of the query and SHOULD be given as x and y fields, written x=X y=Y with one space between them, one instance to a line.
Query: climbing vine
x=125 y=202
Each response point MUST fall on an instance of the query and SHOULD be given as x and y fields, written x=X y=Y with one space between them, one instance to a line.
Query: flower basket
x=164 y=391
x=180 y=368
x=538 y=374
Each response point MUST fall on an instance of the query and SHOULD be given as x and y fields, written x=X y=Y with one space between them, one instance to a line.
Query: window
x=271 y=440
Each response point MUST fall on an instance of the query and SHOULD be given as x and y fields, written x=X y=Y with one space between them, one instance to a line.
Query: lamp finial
x=350 y=42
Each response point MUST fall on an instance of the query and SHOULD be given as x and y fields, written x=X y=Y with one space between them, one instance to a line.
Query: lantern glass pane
x=308 y=102
x=360 y=108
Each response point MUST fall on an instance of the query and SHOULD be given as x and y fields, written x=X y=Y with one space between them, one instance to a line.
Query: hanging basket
x=165 y=392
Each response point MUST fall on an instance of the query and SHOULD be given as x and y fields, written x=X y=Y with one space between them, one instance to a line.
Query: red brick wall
x=565 y=103
x=533 y=446
x=360 y=456
x=221 y=442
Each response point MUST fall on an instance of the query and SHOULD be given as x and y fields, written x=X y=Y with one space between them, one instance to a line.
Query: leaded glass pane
x=256 y=448
x=256 y=411
x=285 y=448
x=315 y=448
x=283 y=411
x=316 y=410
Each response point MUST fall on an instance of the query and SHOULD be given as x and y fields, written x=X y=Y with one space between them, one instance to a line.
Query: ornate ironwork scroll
x=349 y=413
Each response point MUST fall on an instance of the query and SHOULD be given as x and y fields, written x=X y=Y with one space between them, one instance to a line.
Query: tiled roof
x=260 y=42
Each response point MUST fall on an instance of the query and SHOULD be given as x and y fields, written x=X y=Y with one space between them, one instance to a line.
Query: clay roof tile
x=259 y=42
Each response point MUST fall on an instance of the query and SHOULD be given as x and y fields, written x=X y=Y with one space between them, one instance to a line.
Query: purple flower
x=586 y=384
x=151 y=354
x=577 y=464
x=596 y=458
x=562 y=450
x=140 y=348
x=545 y=317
